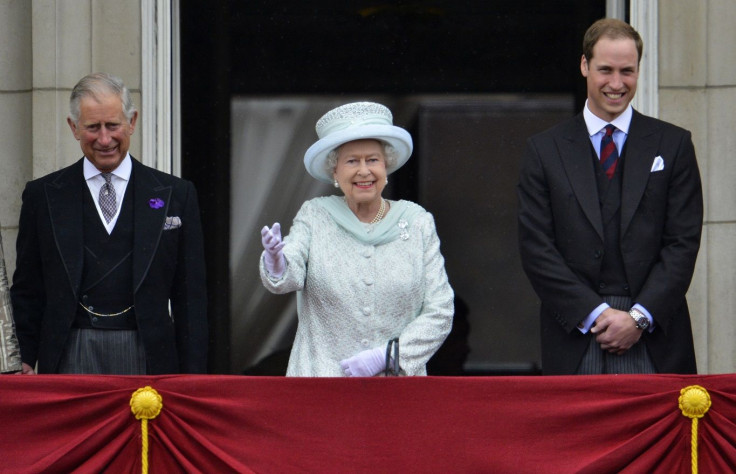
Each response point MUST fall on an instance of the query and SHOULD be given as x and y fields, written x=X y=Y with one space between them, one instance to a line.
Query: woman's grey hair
x=99 y=84
x=388 y=151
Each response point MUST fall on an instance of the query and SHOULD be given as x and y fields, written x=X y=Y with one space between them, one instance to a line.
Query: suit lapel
x=640 y=150
x=574 y=147
x=65 y=202
x=151 y=202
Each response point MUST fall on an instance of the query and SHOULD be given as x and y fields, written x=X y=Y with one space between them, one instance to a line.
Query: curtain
x=589 y=424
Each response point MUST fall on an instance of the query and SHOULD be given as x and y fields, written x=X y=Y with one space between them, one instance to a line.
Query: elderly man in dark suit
x=110 y=262
x=610 y=218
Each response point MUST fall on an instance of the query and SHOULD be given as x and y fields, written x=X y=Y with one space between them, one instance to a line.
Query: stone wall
x=698 y=91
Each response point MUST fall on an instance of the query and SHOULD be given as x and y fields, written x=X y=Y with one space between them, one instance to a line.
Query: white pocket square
x=658 y=164
x=172 y=223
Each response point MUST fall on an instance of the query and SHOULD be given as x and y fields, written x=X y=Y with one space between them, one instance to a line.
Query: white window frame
x=160 y=85
x=644 y=16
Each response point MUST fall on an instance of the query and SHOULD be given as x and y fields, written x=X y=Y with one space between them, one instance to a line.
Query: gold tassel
x=145 y=404
x=694 y=403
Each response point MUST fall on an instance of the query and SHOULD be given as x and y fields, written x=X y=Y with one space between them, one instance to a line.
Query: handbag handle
x=392 y=360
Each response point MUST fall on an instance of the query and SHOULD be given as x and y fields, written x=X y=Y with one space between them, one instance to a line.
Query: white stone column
x=644 y=17
x=161 y=131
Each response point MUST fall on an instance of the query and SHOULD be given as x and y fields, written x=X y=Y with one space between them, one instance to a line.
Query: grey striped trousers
x=103 y=351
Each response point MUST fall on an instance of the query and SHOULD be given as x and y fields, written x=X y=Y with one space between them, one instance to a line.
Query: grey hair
x=388 y=151
x=96 y=85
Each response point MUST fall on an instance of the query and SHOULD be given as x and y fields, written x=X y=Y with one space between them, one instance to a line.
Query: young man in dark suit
x=110 y=261
x=610 y=218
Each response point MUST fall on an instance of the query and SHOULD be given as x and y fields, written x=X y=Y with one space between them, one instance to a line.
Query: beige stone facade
x=47 y=45
x=697 y=90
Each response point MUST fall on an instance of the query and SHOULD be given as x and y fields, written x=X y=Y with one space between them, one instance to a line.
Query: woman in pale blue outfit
x=366 y=270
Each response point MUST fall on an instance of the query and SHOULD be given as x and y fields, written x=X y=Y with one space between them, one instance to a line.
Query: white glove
x=273 y=256
x=365 y=364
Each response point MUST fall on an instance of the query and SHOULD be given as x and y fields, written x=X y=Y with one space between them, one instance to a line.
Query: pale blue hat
x=355 y=121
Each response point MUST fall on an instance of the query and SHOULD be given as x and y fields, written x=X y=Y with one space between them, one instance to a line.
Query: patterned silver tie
x=107 y=198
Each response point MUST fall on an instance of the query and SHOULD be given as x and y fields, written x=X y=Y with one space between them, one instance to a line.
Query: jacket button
x=602 y=285
x=598 y=253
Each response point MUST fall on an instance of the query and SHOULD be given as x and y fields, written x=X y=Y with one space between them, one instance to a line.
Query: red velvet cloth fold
x=587 y=424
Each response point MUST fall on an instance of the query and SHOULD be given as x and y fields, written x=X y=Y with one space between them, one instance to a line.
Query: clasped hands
x=615 y=331
x=273 y=257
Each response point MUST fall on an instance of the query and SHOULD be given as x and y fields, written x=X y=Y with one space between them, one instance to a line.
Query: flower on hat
x=155 y=203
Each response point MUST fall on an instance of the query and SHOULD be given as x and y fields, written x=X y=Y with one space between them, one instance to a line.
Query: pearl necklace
x=381 y=212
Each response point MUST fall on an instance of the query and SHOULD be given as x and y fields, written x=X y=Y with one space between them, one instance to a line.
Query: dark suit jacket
x=167 y=265
x=561 y=236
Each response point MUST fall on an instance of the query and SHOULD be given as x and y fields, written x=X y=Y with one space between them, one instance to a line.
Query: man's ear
x=73 y=127
x=583 y=66
x=133 y=120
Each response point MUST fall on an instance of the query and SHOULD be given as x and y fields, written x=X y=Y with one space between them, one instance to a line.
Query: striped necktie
x=609 y=153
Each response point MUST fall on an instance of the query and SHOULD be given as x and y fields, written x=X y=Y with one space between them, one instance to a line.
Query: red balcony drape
x=220 y=424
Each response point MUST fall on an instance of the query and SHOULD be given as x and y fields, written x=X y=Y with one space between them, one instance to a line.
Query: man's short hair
x=98 y=84
x=611 y=28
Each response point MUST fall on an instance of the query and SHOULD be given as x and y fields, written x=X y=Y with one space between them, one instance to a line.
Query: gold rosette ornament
x=145 y=404
x=694 y=403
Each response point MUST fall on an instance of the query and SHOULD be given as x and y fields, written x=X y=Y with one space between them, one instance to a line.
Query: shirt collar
x=595 y=123
x=122 y=171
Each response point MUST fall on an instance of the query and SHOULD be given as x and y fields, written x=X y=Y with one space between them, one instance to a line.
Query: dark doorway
x=395 y=49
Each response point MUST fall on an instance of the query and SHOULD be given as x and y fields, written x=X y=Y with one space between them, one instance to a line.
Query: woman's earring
x=337 y=185
x=386 y=180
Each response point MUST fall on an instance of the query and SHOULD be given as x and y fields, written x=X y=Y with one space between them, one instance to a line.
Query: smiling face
x=103 y=131
x=611 y=75
x=361 y=171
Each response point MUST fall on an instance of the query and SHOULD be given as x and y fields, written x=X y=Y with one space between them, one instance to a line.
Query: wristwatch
x=639 y=318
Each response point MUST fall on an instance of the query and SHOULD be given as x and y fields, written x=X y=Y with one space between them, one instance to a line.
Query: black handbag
x=392 y=358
